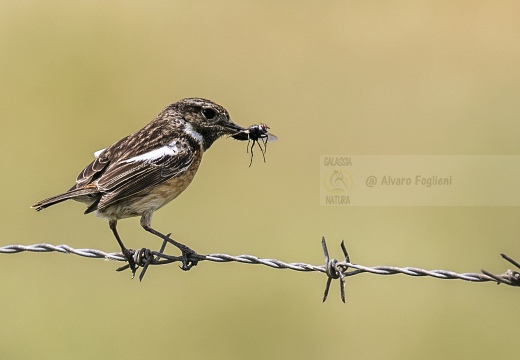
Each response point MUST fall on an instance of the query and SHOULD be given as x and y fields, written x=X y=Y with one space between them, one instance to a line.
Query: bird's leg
x=146 y=220
x=186 y=251
x=126 y=253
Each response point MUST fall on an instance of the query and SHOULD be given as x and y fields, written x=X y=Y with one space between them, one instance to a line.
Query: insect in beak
x=257 y=134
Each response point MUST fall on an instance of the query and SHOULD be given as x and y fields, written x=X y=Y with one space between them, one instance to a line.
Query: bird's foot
x=129 y=256
x=187 y=257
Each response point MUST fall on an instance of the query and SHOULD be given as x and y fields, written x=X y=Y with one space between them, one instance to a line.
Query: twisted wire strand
x=413 y=271
x=341 y=267
x=251 y=259
x=64 y=249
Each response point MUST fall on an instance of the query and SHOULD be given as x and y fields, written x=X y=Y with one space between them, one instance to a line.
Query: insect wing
x=271 y=137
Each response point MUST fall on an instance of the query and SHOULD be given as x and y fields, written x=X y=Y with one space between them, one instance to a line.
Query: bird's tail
x=71 y=194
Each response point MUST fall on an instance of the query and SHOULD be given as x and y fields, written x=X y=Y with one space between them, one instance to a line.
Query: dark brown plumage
x=144 y=171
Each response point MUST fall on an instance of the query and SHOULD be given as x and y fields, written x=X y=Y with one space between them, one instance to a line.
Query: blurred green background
x=336 y=77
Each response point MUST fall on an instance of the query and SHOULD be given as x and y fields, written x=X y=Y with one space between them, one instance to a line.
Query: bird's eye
x=209 y=113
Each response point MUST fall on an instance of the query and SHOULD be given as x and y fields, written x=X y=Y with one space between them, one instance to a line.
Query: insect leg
x=252 y=146
x=265 y=147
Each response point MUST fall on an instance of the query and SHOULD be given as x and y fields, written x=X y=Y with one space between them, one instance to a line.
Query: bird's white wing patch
x=167 y=150
x=97 y=153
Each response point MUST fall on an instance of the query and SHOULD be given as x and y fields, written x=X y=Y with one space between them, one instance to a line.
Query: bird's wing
x=129 y=176
x=95 y=169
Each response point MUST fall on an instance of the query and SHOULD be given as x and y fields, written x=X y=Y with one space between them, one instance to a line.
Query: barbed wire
x=333 y=268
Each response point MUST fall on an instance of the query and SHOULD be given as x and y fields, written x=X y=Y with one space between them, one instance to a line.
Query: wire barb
x=510 y=277
x=333 y=268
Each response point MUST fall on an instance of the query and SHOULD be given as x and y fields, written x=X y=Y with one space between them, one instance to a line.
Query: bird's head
x=206 y=119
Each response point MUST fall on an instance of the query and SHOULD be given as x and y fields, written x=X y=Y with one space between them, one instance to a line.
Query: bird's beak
x=231 y=128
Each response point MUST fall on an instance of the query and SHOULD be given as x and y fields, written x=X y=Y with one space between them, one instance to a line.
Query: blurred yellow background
x=336 y=77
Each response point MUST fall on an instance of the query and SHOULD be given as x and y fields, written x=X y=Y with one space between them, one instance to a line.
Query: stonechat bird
x=144 y=171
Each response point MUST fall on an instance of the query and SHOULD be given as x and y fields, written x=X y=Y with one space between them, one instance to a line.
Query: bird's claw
x=129 y=256
x=187 y=264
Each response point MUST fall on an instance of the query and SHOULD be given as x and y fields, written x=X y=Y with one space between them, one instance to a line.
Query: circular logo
x=337 y=181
